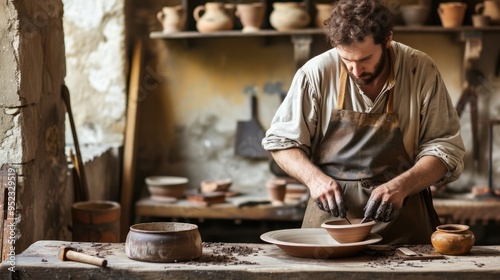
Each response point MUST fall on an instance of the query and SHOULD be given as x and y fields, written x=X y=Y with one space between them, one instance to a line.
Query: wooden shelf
x=311 y=31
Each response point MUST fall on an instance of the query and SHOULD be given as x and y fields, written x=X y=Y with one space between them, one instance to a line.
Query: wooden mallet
x=69 y=254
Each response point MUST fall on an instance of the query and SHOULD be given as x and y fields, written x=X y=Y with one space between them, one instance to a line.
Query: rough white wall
x=96 y=69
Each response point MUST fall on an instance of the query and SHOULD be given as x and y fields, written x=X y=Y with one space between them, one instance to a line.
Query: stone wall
x=32 y=113
x=97 y=69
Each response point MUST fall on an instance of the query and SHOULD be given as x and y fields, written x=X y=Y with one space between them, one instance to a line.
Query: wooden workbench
x=253 y=206
x=465 y=209
x=250 y=261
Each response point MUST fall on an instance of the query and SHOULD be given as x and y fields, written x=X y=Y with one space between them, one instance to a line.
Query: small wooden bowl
x=218 y=185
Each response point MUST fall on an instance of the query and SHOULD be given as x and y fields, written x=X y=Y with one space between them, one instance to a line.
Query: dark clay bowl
x=163 y=242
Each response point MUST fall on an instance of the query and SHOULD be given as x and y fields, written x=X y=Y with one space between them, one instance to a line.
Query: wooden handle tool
x=69 y=254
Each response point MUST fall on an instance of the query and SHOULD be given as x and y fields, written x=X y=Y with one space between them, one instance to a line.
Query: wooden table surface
x=248 y=206
x=250 y=261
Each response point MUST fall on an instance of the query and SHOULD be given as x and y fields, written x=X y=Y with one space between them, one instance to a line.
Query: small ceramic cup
x=479 y=20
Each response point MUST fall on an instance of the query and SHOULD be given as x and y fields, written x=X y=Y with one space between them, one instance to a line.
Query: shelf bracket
x=301 y=49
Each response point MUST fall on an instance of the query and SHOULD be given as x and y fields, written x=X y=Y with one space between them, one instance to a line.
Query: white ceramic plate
x=315 y=243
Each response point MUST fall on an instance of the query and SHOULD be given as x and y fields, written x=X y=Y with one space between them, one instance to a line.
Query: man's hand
x=384 y=203
x=323 y=189
x=328 y=196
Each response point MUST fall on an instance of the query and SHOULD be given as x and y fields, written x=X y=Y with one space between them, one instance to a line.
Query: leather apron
x=361 y=151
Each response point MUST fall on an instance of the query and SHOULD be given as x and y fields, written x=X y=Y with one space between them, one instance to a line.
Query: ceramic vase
x=289 y=15
x=173 y=19
x=251 y=16
x=212 y=17
x=453 y=239
x=452 y=14
x=323 y=12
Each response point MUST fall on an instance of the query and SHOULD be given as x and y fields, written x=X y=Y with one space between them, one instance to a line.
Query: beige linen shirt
x=428 y=120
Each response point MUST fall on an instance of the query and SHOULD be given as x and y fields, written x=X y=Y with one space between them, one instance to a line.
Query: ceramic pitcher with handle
x=212 y=17
x=490 y=8
x=172 y=18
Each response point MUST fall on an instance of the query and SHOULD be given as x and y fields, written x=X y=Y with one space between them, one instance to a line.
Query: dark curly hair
x=352 y=21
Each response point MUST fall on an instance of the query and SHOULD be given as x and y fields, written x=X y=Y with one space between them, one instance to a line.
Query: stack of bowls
x=166 y=186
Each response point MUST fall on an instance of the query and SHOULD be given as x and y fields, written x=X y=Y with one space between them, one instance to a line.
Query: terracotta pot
x=323 y=12
x=212 y=17
x=452 y=14
x=453 y=239
x=491 y=9
x=289 y=16
x=96 y=221
x=163 y=242
x=251 y=16
x=173 y=19
x=276 y=190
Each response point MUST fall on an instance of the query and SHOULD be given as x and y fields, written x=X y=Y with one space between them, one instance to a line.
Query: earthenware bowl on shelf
x=216 y=185
x=343 y=232
x=169 y=186
x=315 y=243
x=163 y=242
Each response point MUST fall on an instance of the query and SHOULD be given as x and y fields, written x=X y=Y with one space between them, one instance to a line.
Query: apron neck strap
x=343 y=83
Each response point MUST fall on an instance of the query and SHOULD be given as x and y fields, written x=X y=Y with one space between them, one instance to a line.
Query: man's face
x=364 y=60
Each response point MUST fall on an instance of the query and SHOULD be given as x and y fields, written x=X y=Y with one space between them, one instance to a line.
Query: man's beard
x=366 y=77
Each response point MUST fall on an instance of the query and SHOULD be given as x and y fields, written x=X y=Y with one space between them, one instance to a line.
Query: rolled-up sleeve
x=295 y=122
x=440 y=130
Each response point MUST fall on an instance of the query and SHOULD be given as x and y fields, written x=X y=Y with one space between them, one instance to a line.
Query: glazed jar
x=289 y=15
x=212 y=17
x=453 y=239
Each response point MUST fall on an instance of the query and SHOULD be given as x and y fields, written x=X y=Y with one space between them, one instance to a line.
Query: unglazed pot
x=323 y=12
x=251 y=16
x=452 y=14
x=212 y=17
x=453 y=239
x=491 y=9
x=163 y=242
x=172 y=18
x=289 y=15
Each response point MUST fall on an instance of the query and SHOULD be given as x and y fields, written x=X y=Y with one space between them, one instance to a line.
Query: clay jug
x=453 y=239
x=251 y=16
x=323 y=12
x=212 y=17
x=452 y=14
x=173 y=19
x=490 y=8
x=288 y=16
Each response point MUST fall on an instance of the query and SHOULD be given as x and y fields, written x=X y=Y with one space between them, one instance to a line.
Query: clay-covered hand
x=328 y=197
x=384 y=203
